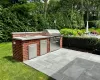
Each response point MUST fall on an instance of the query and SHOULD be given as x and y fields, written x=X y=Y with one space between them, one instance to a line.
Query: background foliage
x=79 y=32
x=19 y=15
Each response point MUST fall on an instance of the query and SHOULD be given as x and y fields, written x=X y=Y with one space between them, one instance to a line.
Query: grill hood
x=52 y=32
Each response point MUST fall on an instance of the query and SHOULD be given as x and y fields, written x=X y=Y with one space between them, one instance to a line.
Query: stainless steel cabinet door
x=54 y=44
x=32 y=51
x=43 y=47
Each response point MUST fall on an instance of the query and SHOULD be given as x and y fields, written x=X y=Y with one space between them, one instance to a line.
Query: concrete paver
x=66 y=64
x=74 y=71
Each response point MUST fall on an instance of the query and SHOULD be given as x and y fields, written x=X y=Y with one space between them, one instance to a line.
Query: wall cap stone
x=24 y=32
x=31 y=37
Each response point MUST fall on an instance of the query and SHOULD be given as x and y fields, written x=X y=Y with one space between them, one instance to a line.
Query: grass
x=10 y=69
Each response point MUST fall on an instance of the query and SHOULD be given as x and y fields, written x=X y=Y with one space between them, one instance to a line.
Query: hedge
x=82 y=42
x=78 y=32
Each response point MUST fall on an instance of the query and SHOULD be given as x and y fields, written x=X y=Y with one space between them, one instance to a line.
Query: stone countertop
x=25 y=32
x=31 y=37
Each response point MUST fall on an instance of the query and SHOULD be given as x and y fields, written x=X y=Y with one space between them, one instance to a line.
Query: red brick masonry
x=20 y=47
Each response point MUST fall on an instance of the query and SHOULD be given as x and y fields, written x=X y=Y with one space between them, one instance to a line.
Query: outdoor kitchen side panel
x=17 y=50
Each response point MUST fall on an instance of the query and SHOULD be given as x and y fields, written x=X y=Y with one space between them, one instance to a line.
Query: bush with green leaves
x=78 y=32
x=16 y=19
x=94 y=30
x=71 y=32
x=86 y=43
x=97 y=23
x=66 y=32
x=98 y=30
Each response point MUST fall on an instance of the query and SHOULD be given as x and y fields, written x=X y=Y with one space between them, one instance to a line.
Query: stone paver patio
x=66 y=64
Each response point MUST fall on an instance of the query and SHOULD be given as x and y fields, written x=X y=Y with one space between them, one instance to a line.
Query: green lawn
x=13 y=70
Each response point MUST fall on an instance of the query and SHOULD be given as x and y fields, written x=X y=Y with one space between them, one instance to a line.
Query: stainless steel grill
x=52 y=32
x=55 y=38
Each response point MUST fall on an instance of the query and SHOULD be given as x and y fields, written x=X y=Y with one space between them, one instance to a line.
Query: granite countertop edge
x=31 y=38
x=24 y=32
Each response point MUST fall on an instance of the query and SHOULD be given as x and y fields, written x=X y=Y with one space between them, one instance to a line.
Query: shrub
x=98 y=30
x=74 y=32
x=98 y=24
x=97 y=46
x=94 y=32
x=83 y=30
x=66 y=32
x=79 y=32
x=81 y=43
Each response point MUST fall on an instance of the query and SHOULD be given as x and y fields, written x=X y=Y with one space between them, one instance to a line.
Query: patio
x=67 y=64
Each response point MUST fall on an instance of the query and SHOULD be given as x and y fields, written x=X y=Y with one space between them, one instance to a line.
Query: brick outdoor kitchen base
x=21 y=42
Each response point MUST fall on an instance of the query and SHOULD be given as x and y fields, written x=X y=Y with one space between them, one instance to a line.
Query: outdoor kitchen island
x=29 y=45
